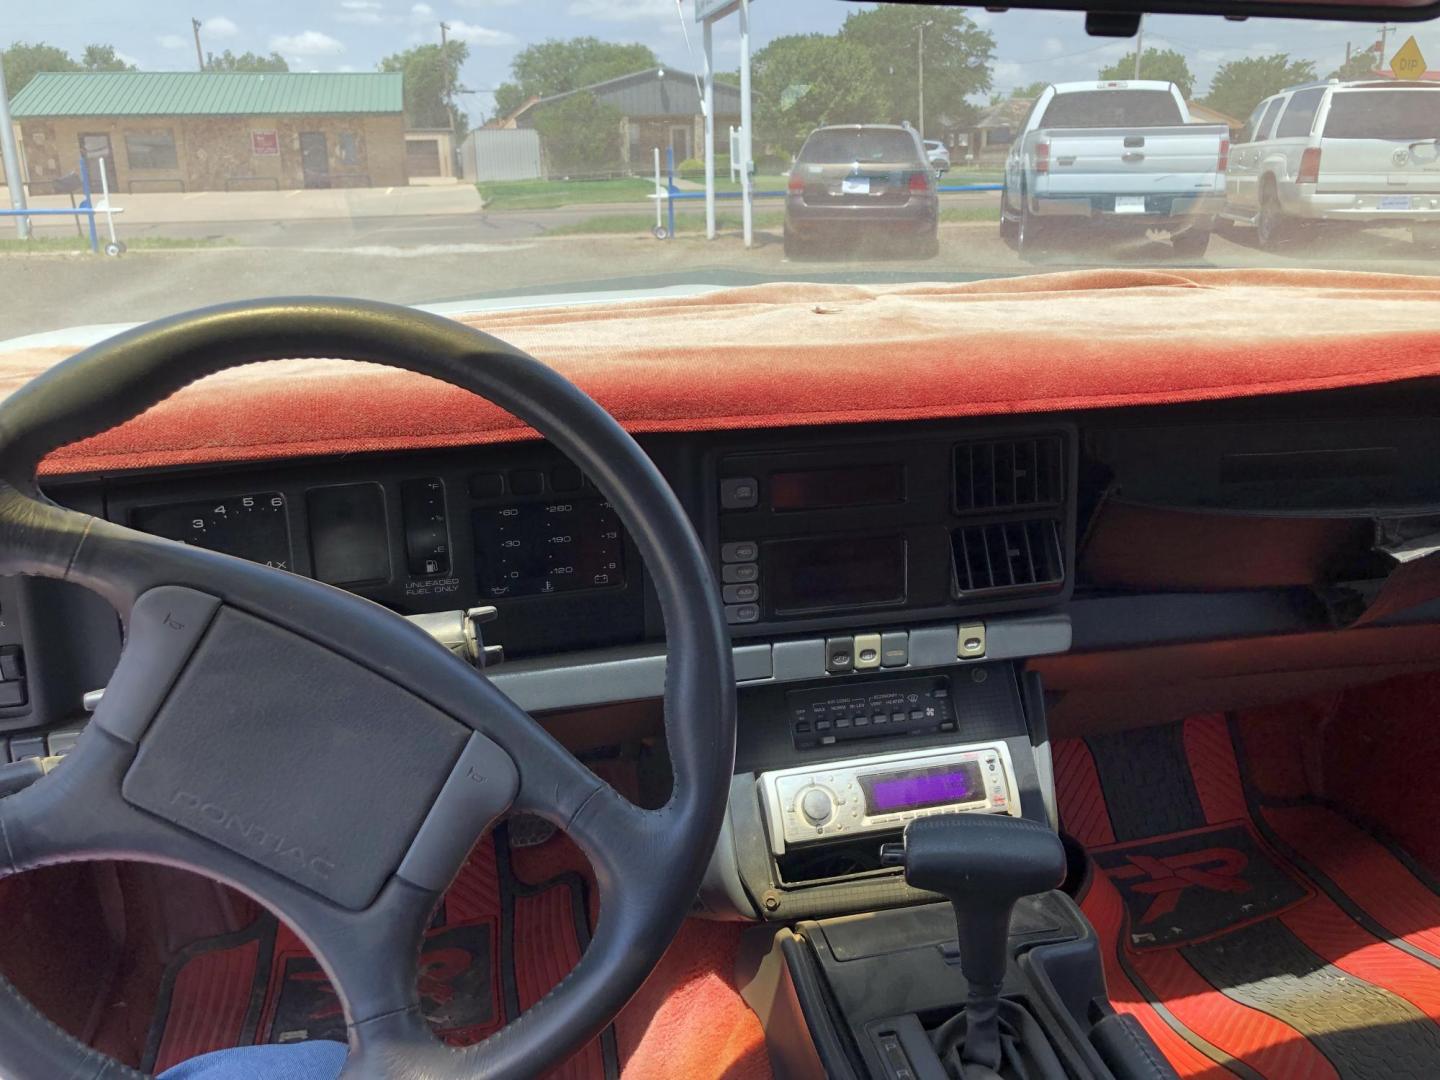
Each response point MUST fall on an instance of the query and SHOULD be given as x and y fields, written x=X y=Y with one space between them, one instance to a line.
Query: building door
x=315 y=159
x=422 y=157
x=680 y=143
x=98 y=155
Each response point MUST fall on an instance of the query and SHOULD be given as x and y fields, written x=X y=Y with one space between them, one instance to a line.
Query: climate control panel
x=841 y=799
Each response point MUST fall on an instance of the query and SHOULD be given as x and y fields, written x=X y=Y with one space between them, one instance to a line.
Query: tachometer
x=250 y=527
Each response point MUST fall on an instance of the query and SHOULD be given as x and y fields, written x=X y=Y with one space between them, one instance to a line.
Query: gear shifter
x=983 y=864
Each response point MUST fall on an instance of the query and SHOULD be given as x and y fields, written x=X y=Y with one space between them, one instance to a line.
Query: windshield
x=470 y=153
x=1112 y=108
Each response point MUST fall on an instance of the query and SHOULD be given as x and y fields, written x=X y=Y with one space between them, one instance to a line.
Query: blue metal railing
x=85 y=209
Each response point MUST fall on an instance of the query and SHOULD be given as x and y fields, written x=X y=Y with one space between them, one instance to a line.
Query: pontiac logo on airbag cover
x=256 y=835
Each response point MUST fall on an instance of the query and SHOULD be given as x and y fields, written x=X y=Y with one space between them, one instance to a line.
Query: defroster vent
x=1009 y=473
x=1011 y=556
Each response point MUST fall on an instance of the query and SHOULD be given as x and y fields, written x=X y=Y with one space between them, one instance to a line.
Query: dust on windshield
x=458 y=152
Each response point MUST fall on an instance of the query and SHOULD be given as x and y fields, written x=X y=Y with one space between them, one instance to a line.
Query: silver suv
x=1363 y=152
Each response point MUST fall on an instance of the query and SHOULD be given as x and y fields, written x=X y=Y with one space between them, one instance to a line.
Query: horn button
x=294 y=757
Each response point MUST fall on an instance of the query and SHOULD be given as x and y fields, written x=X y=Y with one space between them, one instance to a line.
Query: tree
x=803 y=81
x=556 y=66
x=246 y=61
x=430 y=76
x=581 y=135
x=957 y=60
x=23 y=62
x=1034 y=90
x=1165 y=65
x=1361 y=65
x=103 y=58
x=1240 y=85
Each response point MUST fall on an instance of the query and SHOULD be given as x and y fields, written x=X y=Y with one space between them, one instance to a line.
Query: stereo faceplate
x=840 y=799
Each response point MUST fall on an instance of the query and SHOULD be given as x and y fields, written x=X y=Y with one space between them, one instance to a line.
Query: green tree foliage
x=581 y=135
x=1240 y=85
x=24 y=61
x=103 y=58
x=1034 y=90
x=804 y=81
x=555 y=66
x=429 y=75
x=1361 y=65
x=1166 y=65
x=957 y=60
x=246 y=61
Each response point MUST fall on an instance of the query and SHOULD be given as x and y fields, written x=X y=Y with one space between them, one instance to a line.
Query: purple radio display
x=917 y=789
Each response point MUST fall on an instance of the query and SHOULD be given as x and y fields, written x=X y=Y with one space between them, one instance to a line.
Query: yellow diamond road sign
x=1408 y=63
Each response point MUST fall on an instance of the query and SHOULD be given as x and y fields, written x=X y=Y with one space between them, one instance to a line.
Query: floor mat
x=494 y=948
x=1250 y=937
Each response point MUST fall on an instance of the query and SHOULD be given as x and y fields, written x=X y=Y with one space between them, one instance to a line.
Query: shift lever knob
x=982 y=864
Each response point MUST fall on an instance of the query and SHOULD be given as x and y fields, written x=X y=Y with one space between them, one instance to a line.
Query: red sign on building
x=264 y=143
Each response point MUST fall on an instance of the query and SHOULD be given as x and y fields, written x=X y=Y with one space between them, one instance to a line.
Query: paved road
x=421 y=261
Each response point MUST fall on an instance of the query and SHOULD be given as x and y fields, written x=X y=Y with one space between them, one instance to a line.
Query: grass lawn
x=43 y=244
x=548 y=194
x=692 y=225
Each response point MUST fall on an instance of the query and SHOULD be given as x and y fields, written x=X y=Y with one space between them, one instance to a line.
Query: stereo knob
x=816 y=805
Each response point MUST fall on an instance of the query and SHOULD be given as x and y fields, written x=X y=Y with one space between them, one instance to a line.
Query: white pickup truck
x=1118 y=155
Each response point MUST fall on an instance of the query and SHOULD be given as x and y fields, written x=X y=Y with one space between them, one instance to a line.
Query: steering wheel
x=319 y=752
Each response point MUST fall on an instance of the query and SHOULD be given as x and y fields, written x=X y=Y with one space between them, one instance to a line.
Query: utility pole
x=1139 y=44
x=445 y=65
x=13 y=180
x=922 y=80
x=747 y=142
x=199 y=56
x=1385 y=32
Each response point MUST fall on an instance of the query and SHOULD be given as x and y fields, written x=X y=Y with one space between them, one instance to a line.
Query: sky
x=352 y=35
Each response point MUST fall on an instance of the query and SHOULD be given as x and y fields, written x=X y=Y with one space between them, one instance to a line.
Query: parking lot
x=461 y=255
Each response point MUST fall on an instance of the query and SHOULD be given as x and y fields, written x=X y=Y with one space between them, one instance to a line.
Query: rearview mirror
x=1121 y=18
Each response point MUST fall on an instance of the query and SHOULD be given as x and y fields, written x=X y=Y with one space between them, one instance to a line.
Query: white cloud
x=173 y=41
x=306 y=43
x=1052 y=46
x=421 y=11
x=622 y=10
x=219 y=26
x=134 y=61
x=361 y=5
x=487 y=3
x=362 y=12
x=479 y=35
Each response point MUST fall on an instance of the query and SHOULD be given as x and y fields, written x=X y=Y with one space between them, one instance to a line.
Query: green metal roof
x=207 y=93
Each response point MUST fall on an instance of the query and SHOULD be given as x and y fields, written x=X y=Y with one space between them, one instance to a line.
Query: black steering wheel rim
x=105 y=799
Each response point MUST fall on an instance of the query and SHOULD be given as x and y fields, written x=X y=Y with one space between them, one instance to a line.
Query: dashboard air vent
x=1012 y=556
x=1008 y=474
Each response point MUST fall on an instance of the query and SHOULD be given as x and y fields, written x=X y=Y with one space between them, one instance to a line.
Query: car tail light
x=1042 y=157
x=919 y=183
x=1224 y=155
x=796 y=186
x=1309 y=166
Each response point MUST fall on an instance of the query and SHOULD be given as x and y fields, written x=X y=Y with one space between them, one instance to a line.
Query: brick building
x=213 y=131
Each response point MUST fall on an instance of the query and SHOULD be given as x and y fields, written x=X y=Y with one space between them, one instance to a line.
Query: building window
x=349 y=149
x=151 y=150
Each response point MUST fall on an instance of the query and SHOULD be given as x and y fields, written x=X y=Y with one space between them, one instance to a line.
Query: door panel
x=315 y=159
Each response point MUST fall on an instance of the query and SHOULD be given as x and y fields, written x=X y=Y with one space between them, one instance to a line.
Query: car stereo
x=841 y=799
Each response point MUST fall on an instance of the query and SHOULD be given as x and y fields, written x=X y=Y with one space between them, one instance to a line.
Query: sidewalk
x=154 y=208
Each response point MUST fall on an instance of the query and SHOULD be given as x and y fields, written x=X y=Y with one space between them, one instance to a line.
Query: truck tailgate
x=1139 y=161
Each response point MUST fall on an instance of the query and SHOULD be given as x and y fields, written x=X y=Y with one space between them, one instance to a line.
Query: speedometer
x=247 y=526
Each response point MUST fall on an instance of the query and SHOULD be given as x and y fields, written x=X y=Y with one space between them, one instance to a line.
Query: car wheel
x=794 y=248
x=1030 y=234
x=1272 y=230
x=1009 y=227
x=929 y=245
x=1190 y=244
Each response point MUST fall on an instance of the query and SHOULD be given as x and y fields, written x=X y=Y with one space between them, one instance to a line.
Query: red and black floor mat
x=1251 y=937
x=496 y=946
